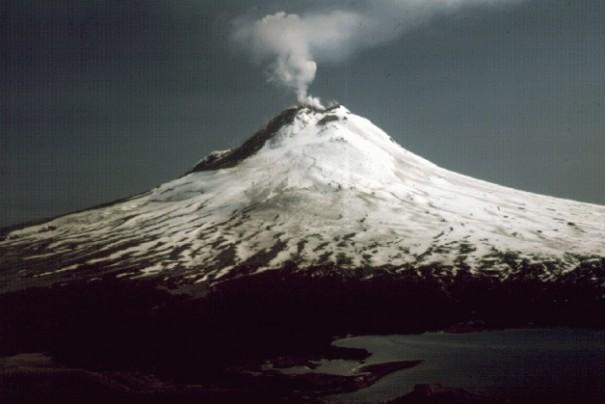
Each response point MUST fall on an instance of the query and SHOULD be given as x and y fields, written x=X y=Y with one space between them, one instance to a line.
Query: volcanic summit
x=314 y=188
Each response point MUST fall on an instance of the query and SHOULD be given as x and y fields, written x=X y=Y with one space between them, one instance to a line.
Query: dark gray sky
x=103 y=99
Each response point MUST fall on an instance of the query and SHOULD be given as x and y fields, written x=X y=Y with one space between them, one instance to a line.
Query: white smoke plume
x=292 y=45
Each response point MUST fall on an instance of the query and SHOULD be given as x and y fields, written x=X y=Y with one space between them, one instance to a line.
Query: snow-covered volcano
x=313 y=188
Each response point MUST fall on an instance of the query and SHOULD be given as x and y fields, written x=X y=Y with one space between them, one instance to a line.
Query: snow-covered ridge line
x=229 y=158
x=312 y=188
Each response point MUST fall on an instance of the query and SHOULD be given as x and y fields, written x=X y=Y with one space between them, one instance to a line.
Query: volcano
x=313 y=189
x=319 y=225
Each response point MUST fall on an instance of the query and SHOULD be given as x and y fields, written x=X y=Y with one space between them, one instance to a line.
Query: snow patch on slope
x=325 y=187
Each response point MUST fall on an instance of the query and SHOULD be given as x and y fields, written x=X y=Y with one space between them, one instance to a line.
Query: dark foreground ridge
x=130 y=326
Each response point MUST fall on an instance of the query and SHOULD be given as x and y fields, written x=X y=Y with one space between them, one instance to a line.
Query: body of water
x=531 y=363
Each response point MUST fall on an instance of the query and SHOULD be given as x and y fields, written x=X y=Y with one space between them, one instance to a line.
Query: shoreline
x=111 y=326
x=39 y=378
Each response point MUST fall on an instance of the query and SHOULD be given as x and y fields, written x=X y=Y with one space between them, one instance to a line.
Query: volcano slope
x=318 y=225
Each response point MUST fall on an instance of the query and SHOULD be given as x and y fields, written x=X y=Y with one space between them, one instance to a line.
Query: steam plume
x=292 y=45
